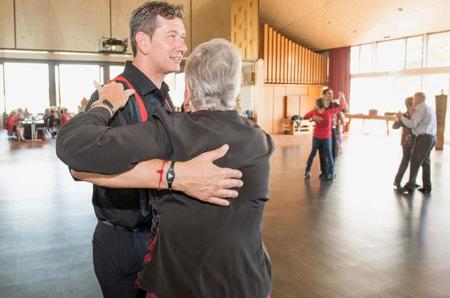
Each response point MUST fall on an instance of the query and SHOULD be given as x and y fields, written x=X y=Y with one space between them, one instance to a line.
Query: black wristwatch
x=170 y=176
x=109 y=105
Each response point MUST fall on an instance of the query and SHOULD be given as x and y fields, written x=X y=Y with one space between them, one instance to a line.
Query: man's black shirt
x=129 y=207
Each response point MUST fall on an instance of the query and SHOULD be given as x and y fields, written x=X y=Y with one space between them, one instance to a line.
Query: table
x=386 y=118
x=29 y=129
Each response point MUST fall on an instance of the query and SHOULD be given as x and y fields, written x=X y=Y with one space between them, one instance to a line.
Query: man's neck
x=156 y=77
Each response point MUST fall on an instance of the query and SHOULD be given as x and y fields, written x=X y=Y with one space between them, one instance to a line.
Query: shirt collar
x=141 y=82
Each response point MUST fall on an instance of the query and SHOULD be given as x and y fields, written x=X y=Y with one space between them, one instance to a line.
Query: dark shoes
x=327 y=177
x=398 y=185
x=424 y=190
x=408 y=190
x=405 y=190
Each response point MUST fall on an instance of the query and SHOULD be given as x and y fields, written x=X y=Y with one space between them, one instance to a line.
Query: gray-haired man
x=423 y=125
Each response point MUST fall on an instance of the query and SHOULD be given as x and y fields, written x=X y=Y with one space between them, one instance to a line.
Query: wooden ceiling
x=326 y=24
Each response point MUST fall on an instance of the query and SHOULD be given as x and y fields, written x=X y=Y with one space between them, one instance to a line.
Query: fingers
x=129 y=92
x=232 y=183
x=75 y=174
x=217 y=153
x=219 y=202
x=226 y=193
x=231 y=173
x=97 y=85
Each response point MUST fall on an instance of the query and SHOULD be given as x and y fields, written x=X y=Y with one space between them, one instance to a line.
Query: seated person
x=13 y=126
x=52 y=122
x=65 y=116
x=196 y=249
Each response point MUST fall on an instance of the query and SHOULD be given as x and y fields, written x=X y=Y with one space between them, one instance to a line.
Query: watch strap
x=170 y=176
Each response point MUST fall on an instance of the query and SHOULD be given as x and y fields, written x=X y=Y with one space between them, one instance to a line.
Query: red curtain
x=339 y=76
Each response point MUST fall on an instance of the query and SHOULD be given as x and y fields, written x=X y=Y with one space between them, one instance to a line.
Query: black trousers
x=420 y=157
x=407 y=150
x=322 y=151
x=118 y=256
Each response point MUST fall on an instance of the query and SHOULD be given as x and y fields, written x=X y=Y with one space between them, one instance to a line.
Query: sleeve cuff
x=100 y=112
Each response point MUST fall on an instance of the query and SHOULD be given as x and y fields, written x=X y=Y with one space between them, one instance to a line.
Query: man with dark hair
x=423 y=126
x=124 y=219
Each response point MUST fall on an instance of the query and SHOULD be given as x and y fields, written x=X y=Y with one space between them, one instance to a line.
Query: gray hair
x=143 y=18
x=420 y=95
x=213 y=73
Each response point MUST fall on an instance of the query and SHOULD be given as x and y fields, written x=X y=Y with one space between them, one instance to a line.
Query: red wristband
x=161 y=173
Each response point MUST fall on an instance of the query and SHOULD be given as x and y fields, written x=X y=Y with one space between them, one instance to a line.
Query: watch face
x=170 y=175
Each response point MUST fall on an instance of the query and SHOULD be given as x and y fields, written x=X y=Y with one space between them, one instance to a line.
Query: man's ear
x=143 y=42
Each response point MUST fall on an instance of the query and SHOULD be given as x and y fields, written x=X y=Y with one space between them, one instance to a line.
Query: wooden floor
x=354 y=237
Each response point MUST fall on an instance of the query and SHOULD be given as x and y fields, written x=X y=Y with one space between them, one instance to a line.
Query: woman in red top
x=12 y=126
x=65 y=116
x=322 y=135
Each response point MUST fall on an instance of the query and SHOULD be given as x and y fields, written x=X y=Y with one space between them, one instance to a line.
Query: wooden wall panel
x=317 y=75
x=121 y=13
x=120 y=18
x=211 y=19
x=292 y=90
x=271 y=59
x=266 y=51
x=273 y=107
x=278 y=58
x=278 y=109
x=244 y=25
x=299 y=64
x=283 y=60
x=265 y=110
x=7 y=24
x=61 y=25
x=291 y=63
x=296 y=64
x=292 y=105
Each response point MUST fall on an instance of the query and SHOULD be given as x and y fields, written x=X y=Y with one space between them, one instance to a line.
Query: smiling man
x=124 y=218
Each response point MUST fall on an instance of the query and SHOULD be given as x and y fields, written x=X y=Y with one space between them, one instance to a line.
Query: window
x=76 y=82
x=439 y=49
x=366 y=58
x=115 y=70
x=362 y=99
x=391 y=55
x=35 y=95
x=374 y=93
x=414 y=52
x=2 y=91
x=354 y=59
x=176 y=85
x=405 y=86
x=434 y=84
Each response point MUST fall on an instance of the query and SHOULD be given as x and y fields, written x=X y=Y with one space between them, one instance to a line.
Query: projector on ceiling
x=113 y=45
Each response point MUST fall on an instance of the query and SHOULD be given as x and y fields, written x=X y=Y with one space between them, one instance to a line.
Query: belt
x=425 y=135
x=142 y=228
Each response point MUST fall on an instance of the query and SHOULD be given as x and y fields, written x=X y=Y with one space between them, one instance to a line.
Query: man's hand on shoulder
x=202 y=179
